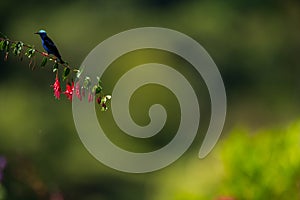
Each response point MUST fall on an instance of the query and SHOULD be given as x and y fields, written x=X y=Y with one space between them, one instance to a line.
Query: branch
x=16 y=47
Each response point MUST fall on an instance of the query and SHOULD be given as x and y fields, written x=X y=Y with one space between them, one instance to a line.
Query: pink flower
x=226 y=198
x=56 y=88
x=56 y=196
x=99 y=100
x=3 y=163
x=90 y=97
x=78 y=90
x=83 y=91
x=69 y=90
x=103 y=102
x=104 y=106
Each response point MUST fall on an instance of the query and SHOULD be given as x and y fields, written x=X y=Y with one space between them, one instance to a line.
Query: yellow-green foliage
x=264 y=165
x=246 y=165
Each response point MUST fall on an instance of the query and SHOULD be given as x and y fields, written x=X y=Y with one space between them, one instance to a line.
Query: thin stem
x=41 y=53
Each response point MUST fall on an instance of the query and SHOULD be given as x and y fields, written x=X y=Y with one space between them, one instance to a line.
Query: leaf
x=30 y=52
x=55 y=67
x=103 y=108
x=13 y=45
x=6 y=56
x=19 y=47
x=98 y=90
x=78 y=72
x=44 y=61
x=31 y=63
x=2 y=35
x=94 y=89
x=15 y=51
x=2 y=45
x=6 y=46
x=66 y=73
x=87 y=82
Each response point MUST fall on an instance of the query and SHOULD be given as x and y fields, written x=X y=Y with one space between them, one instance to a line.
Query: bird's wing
x=51 y=47
x=49 y=43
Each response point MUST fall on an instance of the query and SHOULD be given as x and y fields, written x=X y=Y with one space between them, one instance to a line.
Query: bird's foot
x=45 y=54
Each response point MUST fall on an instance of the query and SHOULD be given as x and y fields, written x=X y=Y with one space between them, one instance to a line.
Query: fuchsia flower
x=90 y=96
x=2 y=166
x=69 y=90
x=56 y=88
x=78 y=90
x=226 y=198
x=83 y=91
x=56 y=196
x=3 y=162
x=103 y=102
x=99 y=100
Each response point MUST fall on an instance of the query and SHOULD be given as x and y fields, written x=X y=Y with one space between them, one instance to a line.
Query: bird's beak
x=36 y=33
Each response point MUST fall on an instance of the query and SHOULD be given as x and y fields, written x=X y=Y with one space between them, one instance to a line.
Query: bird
x=49 y=45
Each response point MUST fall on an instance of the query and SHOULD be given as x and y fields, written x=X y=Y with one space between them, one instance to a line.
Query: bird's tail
x=60 y=60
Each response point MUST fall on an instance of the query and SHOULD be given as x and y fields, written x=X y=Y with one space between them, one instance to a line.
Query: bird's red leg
x=45 y=54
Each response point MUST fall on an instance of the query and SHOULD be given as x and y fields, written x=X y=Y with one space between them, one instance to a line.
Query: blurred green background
x=255 y=45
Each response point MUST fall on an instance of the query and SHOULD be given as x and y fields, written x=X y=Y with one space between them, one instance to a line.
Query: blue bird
x=49 y=45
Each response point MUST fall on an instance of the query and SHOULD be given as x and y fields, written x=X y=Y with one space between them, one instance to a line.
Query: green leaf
x=2 y=35
x=98 y=90
x=6 y=46
x=87 y=82
x=78 y=72
x=13 y=45
x=55 y=67
x=27 y=52
x=99 y=80
x=66 y=73
x=2 y=45
x=94 y=89
x=44 y=61
x=30 y=52
x=17 y=47
x=6 y=56
x=103 y=102
x=15 y=51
